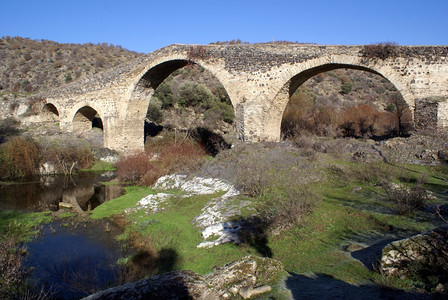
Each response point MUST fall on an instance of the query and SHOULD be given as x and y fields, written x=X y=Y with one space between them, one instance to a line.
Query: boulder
x=443 y=155
x=172 y=285
x=421 y=255
x=245 y=278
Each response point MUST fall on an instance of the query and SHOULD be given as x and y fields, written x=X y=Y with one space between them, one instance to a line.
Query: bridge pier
x=431 y=113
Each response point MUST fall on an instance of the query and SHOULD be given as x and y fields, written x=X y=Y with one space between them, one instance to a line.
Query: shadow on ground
x=321 y=286
x=371 y=256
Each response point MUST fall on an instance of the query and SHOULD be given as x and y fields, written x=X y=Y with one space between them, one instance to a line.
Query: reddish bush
x=161 y=157
x=133 y=167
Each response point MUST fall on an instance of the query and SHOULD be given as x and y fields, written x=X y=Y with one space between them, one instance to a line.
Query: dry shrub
x=68 y=159
x=367 y=173
x=382 y=50
x=287 y=206
x=11 y=270
x=406 y=200
x=161 y=157
x=283 y=195
x=14 y=274
x=252 y=175
x=361 y=121
x=19 y=158
x=197 y=52
x=133 y=167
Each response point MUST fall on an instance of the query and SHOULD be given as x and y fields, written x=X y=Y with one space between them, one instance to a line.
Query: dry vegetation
x=347 y=103
x=22 y=157
x=36 y=65
x=162 y=156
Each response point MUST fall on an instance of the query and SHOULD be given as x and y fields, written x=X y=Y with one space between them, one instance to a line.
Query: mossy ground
x=100 y=166
x=21 y=226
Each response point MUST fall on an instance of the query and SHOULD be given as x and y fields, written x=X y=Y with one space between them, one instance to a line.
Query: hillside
x=30 y=66
x=346 y=102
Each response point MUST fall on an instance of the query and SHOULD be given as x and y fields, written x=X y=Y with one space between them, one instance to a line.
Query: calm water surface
x=73 y=256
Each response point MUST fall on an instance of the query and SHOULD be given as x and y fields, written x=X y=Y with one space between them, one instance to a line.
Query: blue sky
x=145 y=26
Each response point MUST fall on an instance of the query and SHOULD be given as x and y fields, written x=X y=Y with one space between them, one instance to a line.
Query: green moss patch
x=20 y=225
x=118 y=205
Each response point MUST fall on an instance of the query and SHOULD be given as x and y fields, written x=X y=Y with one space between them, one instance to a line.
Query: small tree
x=165 y=94
x=399 y=107
x=346 y=88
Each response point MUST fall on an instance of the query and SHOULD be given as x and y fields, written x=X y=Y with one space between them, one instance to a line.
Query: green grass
x=66 y=214
x=347 y=214
x=118 y=205
x=99 y=166
x=20 y=225
x=353 y=210
x=316 y=245
x=112 y=183
x=172 y=229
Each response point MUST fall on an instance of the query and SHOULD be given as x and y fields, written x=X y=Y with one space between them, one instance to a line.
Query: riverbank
x=38 y=219
x=339 y=213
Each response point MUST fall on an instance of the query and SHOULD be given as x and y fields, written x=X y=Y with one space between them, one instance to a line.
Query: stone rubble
x=248 y=277
x=213 y=221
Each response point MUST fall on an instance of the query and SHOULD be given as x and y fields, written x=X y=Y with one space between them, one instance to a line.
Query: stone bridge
x=259 y=80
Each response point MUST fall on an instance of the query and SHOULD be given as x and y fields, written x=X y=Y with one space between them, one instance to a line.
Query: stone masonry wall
x=257 y=78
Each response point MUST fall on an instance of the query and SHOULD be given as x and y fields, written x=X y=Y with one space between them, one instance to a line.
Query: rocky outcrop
x=419 y=256
x=245 y=278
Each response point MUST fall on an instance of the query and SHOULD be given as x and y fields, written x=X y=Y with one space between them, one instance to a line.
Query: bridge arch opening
x=337 y=100
x=49 y=113
x=184 y=98
x=88 y=123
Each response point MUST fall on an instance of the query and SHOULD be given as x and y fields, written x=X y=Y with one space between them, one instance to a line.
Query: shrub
x=382 y=50
x=406 y=200
x=68 y=78
x=8 y=127
x=68 y=159
x=133 y=167
x=197 y=52
x=196 y=94
x=19 y=158
x=346 y=88
x=165 y=95
x=161 y=157
x=154 y=113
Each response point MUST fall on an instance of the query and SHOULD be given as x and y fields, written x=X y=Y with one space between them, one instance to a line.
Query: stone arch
x=85 y=119
x=297 y=75
x=49 y=113
x=144 y=87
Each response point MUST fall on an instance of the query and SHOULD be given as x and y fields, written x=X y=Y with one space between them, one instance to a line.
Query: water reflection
x=74 y=261
x=70 y=257
x=83 y=192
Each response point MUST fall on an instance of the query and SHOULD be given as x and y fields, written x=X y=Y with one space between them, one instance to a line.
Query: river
x=73 y=256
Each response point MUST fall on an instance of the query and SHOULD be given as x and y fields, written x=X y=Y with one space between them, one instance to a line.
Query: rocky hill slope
x=31 y=66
